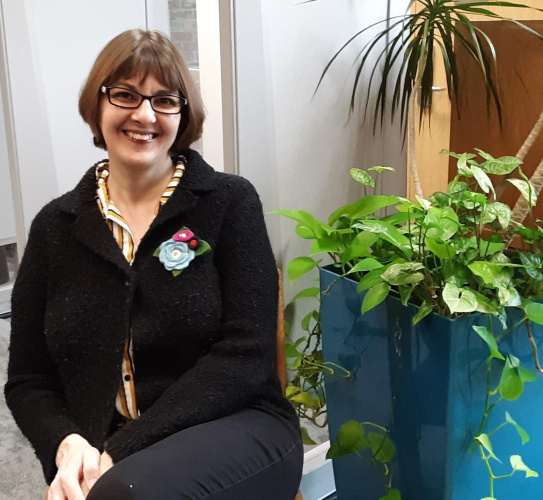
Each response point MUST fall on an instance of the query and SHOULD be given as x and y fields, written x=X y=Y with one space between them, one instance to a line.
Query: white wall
x=50 y=49
x=312 y=144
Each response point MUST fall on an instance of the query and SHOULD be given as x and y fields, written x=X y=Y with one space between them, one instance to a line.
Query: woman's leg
x=251 y=455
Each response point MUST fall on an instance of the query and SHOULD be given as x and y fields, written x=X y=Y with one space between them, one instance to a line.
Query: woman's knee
x=113 y=485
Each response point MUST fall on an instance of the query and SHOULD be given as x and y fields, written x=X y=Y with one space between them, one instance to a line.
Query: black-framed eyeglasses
x=130 y=99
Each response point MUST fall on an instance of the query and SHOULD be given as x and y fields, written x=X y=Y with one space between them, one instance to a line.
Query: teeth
x=139 y=137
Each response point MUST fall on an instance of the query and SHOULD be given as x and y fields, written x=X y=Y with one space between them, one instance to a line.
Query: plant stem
x=534 y=346
x=489 y=469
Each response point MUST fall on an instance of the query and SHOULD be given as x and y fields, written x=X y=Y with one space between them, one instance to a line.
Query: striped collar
x=112 y=215
x=107 y=206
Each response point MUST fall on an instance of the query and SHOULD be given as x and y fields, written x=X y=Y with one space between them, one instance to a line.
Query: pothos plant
x=447 y=254
x=305 y=389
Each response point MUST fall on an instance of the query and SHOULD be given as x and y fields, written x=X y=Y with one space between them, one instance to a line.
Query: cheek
x=173 y=128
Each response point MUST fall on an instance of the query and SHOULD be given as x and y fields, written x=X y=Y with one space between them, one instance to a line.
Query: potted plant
x=436 y=319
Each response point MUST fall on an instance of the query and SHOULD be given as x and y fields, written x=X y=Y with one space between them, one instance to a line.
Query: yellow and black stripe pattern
x=126 y=397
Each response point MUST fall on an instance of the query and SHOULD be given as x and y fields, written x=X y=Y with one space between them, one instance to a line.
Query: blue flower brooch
x=178 y=252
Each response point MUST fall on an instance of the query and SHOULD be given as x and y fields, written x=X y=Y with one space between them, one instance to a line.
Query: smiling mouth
x=139 y=137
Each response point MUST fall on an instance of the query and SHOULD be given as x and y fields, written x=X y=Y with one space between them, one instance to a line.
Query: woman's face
x=138 y=138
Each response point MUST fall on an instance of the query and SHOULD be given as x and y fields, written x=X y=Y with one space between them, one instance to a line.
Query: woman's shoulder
x=200 y=175
x=71 y=201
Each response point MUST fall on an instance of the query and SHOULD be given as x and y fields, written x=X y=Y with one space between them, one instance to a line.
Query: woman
x=144 y=311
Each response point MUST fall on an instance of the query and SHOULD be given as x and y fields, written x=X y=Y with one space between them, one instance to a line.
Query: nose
x=144 y=112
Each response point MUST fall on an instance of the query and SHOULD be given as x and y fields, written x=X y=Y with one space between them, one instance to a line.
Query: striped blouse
x=126 y=397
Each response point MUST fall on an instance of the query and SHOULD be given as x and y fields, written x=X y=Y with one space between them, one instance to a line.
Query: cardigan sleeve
x=33 y=391
x=238 y=367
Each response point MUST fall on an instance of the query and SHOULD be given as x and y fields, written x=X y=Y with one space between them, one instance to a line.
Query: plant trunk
x=530 y=140
x=521 y=208
x=411 y=146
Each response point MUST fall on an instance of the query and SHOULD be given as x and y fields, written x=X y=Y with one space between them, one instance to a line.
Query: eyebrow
x=129 y=86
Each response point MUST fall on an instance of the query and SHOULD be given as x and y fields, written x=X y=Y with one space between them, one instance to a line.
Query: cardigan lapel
x=90 y=229
x=198 y=179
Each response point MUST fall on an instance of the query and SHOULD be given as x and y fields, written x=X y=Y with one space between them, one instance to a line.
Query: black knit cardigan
x=204 y=341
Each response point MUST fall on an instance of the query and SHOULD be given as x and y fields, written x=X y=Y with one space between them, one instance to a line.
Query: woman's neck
x=133 y=186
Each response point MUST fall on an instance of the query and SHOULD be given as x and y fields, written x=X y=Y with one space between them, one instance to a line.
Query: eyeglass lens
x=126 y=98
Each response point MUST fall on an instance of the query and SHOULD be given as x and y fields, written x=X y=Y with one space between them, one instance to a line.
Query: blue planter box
x=428 y=382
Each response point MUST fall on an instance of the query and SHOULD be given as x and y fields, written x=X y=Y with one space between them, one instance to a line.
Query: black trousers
x=250 y=455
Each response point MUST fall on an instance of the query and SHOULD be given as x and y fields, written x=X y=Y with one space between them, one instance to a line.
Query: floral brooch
x=178 y=252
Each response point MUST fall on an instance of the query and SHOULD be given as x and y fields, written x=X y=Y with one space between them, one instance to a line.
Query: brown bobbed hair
x=141 y=53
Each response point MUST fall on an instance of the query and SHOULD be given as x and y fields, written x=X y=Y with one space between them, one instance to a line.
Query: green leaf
x=299 y=266
x=490 y=273
x=403 y=273
x=486 y=305
x=483 y=180
x=380 y=169
x=510 y=386
x=304 y=232
x=306 y=399
x=533 y=265
x=442 y=250
x=307 y=293
x=362 y=177
x=306 y=320
x=526 y=190
x=335 y=451
x=499 y=166
x=501 y=211
x=387 y=232
x=323 y=245
x=459 y=300
x=297 y=215
x=521 y=432
x=306 y=439
x=156 y=253
x=374 y=296
x=291 y=391
x=382 y=447
x=177 y=272
x=534 y=312
x=204 y=248
x=527 y=375
x=490 y=341
x=359 y=246
x=363 y=207
x=519 y=465
x=462 y=165
x=484 y=441
x=425 y=309
x=291 y=351
x=405 y=293
x=392 y=494
x=488 y=247
x=370 y=280
x=349 y=435
x=456 y=188
x=368 y=264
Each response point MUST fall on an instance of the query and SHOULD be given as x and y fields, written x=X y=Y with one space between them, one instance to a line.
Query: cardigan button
x=127 y=378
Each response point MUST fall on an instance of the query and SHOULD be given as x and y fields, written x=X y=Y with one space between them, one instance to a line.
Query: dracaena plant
x=447 y=254
x=403 y=51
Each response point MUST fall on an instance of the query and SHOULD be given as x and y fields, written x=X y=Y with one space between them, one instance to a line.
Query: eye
x=123 y=95
x=166 y=101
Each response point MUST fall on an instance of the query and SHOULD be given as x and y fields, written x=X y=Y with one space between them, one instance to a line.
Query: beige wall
x=435 y=133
